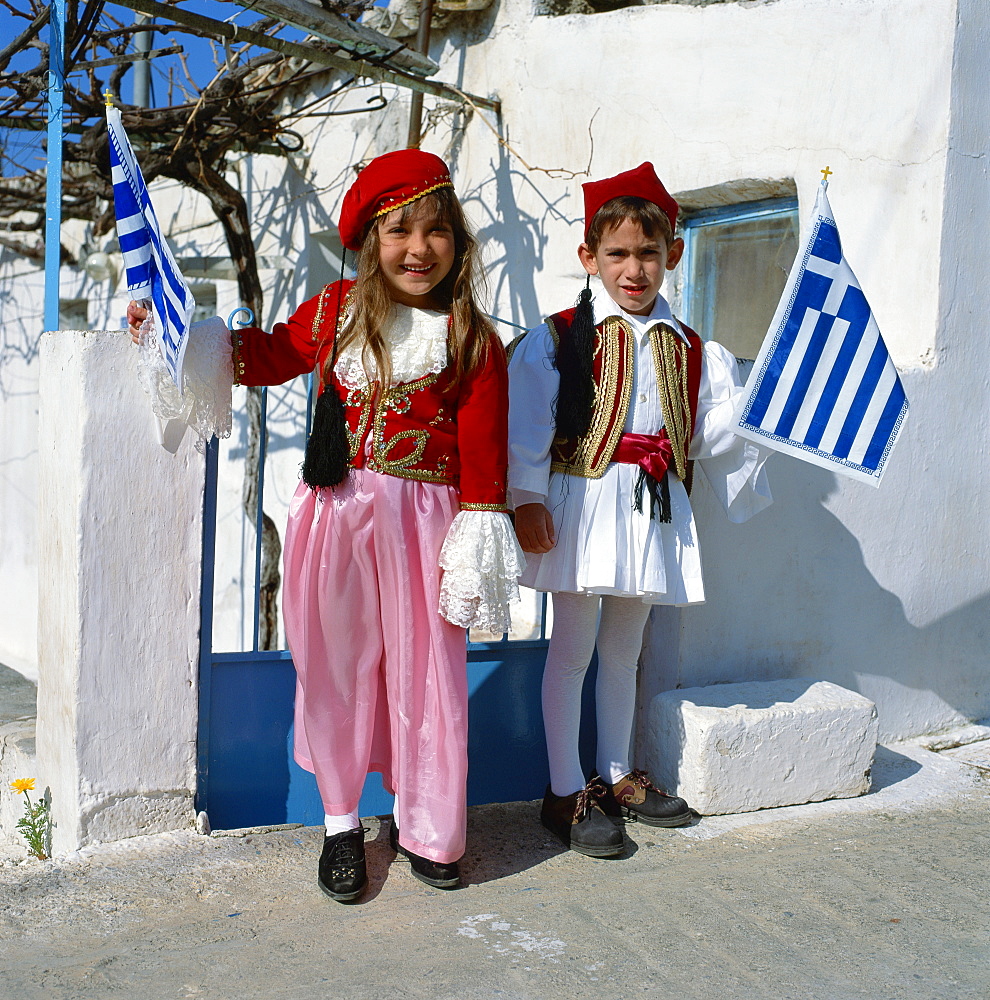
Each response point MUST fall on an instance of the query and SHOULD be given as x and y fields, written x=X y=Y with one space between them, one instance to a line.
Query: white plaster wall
x=880 y=591
x=120 y=542
x=713 y=94
x=21 y=296
x=883 y=591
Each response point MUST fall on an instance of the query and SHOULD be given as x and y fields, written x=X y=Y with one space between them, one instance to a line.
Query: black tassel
x=575 y=363
x=328 y=451
x=659 y=496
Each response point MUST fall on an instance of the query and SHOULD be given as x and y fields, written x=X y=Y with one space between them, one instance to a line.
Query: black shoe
x=435 y=873
x=635 y=797
x=580 y=824
x=343 y=872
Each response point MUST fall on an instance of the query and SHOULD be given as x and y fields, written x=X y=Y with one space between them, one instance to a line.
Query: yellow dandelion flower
x=22 y=784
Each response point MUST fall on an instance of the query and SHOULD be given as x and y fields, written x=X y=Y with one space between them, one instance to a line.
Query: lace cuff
x=207 y=378
x=481 y=560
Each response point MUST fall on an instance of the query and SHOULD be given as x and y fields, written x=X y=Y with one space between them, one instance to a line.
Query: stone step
x=731 y=748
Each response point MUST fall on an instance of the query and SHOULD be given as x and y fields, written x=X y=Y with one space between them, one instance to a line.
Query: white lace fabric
x=207 y=380
x=417 y=343
x=481 y=560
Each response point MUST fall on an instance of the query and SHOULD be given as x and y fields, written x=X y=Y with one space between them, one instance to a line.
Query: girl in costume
x=397 y=538
x=610 y=404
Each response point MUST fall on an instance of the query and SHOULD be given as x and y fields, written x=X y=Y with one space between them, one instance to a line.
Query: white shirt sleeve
x=207 y=379
x=733 y=465
x=533 y=385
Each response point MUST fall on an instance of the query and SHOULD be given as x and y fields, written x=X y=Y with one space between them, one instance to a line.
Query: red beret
x=390 y=181
x=639 y=183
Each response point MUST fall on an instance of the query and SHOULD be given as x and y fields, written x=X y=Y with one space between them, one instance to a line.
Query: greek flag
x=824 y=388
x=151 y=269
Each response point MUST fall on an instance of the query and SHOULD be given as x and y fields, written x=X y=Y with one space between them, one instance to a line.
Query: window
x=736 y=262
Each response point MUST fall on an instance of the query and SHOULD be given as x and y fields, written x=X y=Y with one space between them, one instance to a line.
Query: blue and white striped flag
x=151 y=269
x=824 y=388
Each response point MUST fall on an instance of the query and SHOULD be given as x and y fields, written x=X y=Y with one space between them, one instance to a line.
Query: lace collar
x=416 y=340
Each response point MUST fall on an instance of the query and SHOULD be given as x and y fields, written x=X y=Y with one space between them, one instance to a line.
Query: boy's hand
x=136 y=315
x=534 y=528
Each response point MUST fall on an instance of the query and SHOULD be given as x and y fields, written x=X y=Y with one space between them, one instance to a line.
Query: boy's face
x=631 y=265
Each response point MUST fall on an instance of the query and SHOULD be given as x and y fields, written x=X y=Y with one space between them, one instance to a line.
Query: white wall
x=882 y=591
x=120 y=527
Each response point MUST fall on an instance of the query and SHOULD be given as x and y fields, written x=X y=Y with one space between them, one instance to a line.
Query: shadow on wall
x=514 y=242
x=789 y=595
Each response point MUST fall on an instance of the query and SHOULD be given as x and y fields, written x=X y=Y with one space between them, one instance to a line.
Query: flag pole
x=53 y=175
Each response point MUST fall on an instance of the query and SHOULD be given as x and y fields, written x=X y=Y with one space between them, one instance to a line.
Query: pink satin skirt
x=381 y=677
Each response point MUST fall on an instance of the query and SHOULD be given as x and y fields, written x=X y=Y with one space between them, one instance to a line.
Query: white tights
x=576 y=626
x=620 y=640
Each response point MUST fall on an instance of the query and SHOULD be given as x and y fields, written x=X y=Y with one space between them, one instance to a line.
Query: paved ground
x=883 y=897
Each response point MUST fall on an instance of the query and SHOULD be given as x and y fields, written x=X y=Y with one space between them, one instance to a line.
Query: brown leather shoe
x=580 y=824
x=635 y=797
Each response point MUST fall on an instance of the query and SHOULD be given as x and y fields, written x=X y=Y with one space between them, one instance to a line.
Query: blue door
x=246 y=774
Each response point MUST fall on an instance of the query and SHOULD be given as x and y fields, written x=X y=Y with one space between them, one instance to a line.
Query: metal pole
x=142 y=68
x=422 y=45
x=53 y=175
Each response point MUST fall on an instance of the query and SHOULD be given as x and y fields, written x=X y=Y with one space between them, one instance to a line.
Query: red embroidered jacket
x=427 y=429
x=678 y=371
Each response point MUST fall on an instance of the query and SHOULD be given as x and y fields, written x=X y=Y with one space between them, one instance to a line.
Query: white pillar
x=120 y=540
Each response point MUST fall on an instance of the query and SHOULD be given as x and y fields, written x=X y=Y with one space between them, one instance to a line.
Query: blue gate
x=246 y=773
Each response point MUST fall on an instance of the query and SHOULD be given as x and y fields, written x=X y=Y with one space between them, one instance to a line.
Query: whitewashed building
x=739 y=104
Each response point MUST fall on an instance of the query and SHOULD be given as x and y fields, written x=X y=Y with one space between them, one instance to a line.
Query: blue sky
x=26 y=148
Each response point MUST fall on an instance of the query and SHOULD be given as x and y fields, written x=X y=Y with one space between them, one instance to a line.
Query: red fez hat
x=639 y=183
x=389 y=182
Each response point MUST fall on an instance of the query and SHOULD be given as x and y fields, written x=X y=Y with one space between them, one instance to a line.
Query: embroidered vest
x=678 y=371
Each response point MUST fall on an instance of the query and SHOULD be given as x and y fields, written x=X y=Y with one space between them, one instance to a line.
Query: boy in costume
x=610 y=405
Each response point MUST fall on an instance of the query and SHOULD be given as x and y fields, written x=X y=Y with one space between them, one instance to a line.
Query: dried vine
x=240 y=110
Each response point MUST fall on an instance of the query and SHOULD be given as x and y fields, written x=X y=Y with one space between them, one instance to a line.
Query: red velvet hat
x=390 y=181
x=639 y=183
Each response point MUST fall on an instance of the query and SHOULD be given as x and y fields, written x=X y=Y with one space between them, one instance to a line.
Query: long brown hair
x=471 y=332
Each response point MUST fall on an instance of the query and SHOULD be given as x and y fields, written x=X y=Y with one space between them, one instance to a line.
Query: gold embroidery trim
x=318 y=318
x=497 y=507
x=381 y=447
x=235 y=345
x=356 y=436
x=595 y=449
x=394 y=465
x=670 y=362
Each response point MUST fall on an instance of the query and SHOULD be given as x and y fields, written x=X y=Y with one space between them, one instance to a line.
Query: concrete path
x=883 y=897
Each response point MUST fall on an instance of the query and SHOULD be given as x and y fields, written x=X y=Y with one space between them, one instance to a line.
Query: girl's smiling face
x=631 y=265
x=416 y=252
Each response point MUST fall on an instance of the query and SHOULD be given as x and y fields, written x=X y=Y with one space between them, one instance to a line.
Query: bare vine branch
x=558 y=173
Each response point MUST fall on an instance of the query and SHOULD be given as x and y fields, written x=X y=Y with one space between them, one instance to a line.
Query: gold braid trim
x=235 y=344
x=604 y=433
x=498 y=507
x=670 y=361
x=415 y=197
